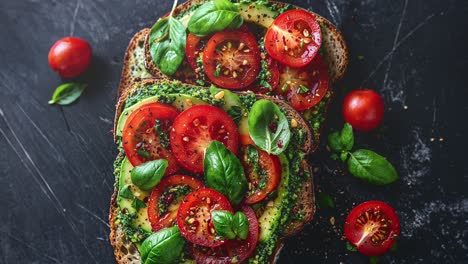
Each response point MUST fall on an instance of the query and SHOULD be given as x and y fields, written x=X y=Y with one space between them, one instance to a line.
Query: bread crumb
x=332 y=220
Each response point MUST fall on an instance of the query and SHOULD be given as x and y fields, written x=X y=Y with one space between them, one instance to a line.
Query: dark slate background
x=56 y=163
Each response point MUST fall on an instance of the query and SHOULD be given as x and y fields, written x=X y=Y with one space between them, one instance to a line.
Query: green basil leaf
x=324 y=201
x=343 y=156
x=162 y=247
x=350 y=247
x=222 y=221
x=215 y=16
x=269 y=127
x=167 y=44
x=343 y=140
x=143 y=153
x=240 y=224
x=224 y=172
x=334 y=141
x=137 y=204
x=148 y=174
x=67 y=93
x=125 y=192
x=371 y=167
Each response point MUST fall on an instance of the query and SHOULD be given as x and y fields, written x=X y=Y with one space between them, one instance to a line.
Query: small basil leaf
x=347 y=137
x=67 y=93
x=224 y=172
x=167 y=44
x=240 y=224
x=324 y=201
x=350 y=247
x=148 y=174
x=125 y=192
x=162 y=247
x=343 y=156
x=334 y=141
x=268 y=127
x=371 y=167
x=137 y=204
x=215 y=16
x=143 y=153
x=222 y=221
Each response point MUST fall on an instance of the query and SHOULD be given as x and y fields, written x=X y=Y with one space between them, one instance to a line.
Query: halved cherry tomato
x=193 y=131
x=363 y=109
x=263 y=174
x=194 y=216
x=70 y=56
x=294 y=38
x=233 y=251
x=373 y=227
x=169 y=194
x=194 y=49
x=304 y=87
x=272 y=81
x=231 y=59
x=140 y=139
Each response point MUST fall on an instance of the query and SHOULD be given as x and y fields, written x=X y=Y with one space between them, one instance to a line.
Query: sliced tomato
x=272 y=80
x=194 y=216
x=294 y=39
x=373 y=227
x=231 y=59
x=233 y=251
x=194 y=49
x=304 y=87
x=194 y=130
x=166 y=197
x=141 y=140
x=263 y=172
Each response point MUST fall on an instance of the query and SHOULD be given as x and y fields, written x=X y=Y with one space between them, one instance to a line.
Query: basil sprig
x=215 y=16
x=362 y=163
x=224 y=172
x=67 y=93
x=230 y=226
x=167 y=40
x=148 y=174
x=269 y=127
x=162 y=247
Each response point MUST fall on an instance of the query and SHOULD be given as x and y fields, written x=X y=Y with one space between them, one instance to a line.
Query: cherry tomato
x=294 y=38
x=70 y=56
x=373 y=227
x=167 y=196
x=263 y=174
x=193 y=131
x=194 y=216
x=141 y=140
x=231 y=59
x=363 y=109
x=304 y=87
x=194 y=49
x=233 y=251
x=272 y=80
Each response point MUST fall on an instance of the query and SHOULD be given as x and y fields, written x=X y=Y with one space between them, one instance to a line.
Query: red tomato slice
x=140 y=139
x=273 y=80
x=263 y=174
x=231 y=59
x=294 y=38
x=193 y=131
x=373 y=227
x=233 y=251
x=304 y=87
x=194 y=216
x=167 y=196
x=193 y=49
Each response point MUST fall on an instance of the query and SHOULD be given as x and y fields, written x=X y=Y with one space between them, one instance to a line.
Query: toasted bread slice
x=336 y=51
x=126 y=252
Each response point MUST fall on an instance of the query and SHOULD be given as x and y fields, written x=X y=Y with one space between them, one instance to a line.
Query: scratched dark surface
x=56 y=163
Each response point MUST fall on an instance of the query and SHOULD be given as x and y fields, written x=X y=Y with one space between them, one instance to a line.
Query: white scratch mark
x=434 y=113
x=416 y=159
x=42 y=182
x=73 y=22
x=24 y=243
x=93 y=214
x=334 y=12
x=400 y=42
x=395 y=41
x=105 y=120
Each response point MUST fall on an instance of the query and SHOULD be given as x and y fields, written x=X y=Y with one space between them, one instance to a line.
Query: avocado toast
x=281 y=220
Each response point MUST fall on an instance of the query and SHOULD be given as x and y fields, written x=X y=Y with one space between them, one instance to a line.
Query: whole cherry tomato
x=70 y=56
x=363 y=109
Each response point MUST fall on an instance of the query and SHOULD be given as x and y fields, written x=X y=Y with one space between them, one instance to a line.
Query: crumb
x=432 y=139
x=405 y=107
x=332 y=220
x=441 y=139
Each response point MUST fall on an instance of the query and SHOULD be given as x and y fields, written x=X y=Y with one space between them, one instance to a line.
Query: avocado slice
x=232 y=103
x=257 y=13
x=270 y=219
x=141 y=219
x=181 y=102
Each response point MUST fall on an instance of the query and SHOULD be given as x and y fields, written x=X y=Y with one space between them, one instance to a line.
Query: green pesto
x=315 y=116
x=272 y=6
x=172 y=194
x=248 y=100
x=136 y=235
x=163 y=136
x=117 y=166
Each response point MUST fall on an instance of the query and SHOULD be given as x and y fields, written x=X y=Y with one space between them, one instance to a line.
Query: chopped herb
x=303 y=89
x=284 y=88
x=163 y=136
x=143 y=153
x=360 y=57
x=350 y=247
x=324 y=201
x=235 y=112
x=218 y=70
x=137 y=204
